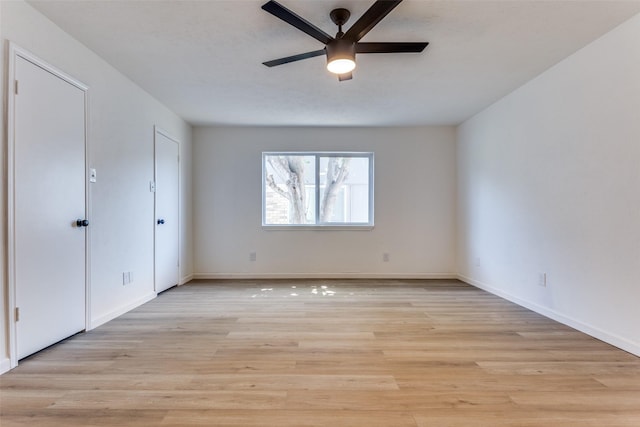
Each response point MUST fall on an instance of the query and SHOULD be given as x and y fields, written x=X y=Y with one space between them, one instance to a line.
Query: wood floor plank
x=401 y=400
x=84 y=418
x=289 y=418
x=171 y=399
x=374 y=353
x=470 y=417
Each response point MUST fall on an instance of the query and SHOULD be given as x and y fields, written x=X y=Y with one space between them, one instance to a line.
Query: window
x=317 y=189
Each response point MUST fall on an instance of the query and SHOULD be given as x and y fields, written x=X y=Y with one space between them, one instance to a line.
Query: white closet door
x=49 y=197
x=167 y=240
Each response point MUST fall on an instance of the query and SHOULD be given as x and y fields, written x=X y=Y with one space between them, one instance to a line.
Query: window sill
x=366 y=227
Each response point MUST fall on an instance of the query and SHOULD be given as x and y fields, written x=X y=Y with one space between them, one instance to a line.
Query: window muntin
x=317 y=189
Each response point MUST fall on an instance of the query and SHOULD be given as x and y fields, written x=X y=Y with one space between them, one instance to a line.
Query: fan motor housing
x=341 y=49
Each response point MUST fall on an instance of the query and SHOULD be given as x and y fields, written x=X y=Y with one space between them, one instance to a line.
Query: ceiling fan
x=341 y=50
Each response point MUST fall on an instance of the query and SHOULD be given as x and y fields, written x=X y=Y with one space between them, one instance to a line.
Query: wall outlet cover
x=542 y=279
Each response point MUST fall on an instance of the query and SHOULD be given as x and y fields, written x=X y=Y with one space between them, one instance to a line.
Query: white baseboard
x=260 y=276
x=610 y=338
x=185 y=279
x=120 y=311
x=5 y=365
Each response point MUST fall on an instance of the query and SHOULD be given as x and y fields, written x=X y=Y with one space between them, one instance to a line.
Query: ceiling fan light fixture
x=341 y=56
x=341 y=66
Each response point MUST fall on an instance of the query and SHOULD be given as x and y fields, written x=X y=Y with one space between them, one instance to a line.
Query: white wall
x=120 y=146
x=549 y=182
x=414 y=205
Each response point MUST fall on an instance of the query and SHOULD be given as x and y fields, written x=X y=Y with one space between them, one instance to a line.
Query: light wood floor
x=326 y=353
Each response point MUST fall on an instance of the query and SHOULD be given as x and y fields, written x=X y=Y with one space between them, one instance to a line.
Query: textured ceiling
x=203 y=59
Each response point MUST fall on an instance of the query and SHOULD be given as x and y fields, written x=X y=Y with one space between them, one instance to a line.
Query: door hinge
x=17 y=314
x=16 y=87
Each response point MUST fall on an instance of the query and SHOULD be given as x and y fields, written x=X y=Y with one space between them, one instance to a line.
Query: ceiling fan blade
x=393 y=47
x=346 y=76
x=279 y=11
x=371 y=17
x=294 y=58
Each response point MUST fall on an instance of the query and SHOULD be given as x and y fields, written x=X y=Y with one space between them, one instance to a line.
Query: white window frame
x=320 y=225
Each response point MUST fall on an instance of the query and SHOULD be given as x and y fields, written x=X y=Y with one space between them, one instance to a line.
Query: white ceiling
x=203 y=59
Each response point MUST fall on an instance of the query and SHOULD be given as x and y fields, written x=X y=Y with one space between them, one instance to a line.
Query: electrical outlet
x=476 y=261
x=127 y=277
x=385 y=257
x=252 y=256
x=542 y=279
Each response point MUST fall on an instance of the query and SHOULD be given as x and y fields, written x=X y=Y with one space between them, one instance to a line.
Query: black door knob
x=82 y=223
x=161 y=221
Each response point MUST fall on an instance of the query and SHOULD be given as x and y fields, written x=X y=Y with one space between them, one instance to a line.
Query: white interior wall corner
x=548 y=182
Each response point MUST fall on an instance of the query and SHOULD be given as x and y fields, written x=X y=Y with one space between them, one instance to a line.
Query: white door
x=49 y=197
x=167 y=240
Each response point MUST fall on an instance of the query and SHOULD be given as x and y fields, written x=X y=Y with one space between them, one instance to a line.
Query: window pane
x=344 y=189
x=289 y=189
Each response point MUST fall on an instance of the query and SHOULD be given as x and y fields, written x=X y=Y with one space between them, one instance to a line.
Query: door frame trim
x=15 y=52
x=158 y=130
